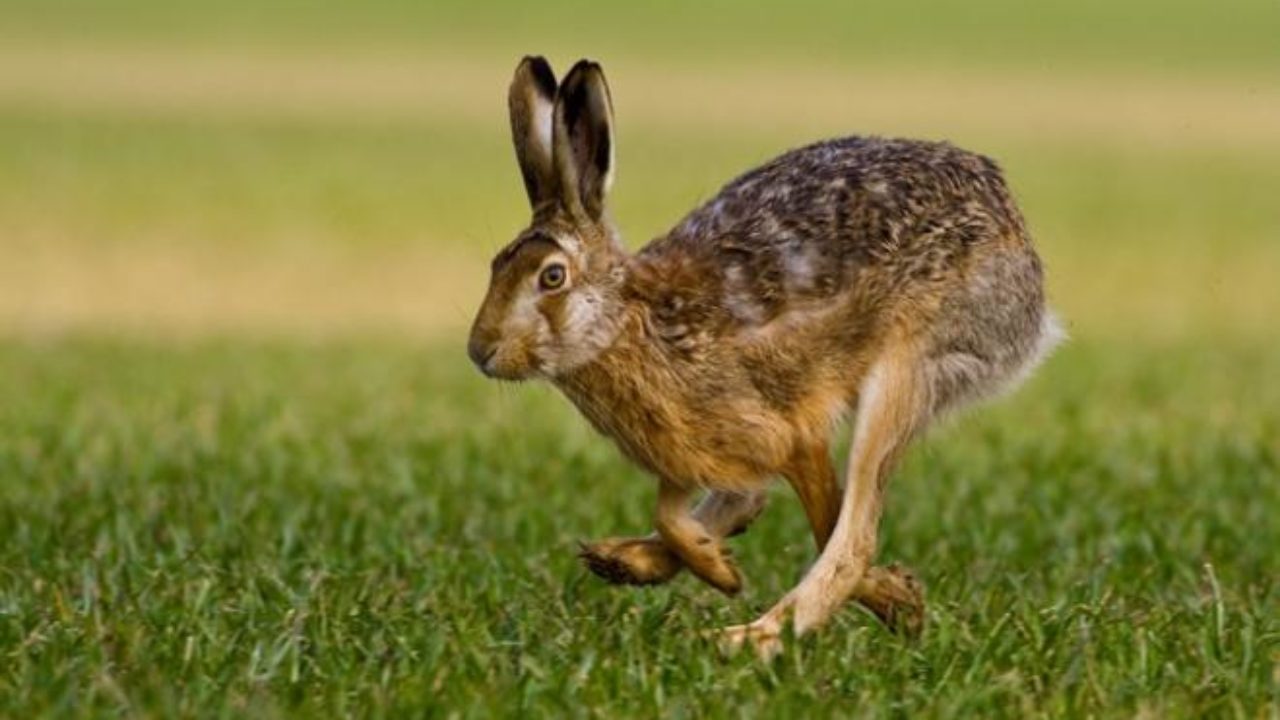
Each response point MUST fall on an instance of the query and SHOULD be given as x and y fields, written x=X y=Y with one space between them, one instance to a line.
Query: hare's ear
x=531 y=100
x=584 y=140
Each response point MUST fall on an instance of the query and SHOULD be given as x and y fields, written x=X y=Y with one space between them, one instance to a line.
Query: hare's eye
x=552 y=277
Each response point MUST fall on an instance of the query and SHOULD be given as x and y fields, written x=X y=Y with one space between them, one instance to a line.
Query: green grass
x=369 y=528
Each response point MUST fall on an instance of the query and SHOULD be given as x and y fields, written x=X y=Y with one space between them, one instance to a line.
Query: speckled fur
x=732 y=358
x=723 y=353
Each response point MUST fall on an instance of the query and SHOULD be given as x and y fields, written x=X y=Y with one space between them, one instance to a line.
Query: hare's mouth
x=485 y=362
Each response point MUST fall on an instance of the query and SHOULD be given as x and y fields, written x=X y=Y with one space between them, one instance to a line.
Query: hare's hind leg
x=893 y=404
x=649 y=561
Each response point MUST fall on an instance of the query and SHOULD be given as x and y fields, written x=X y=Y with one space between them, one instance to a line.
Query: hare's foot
x=649 y=561
x=894 y=595
x=764 y=636
x=713 y=563
x=630 y=561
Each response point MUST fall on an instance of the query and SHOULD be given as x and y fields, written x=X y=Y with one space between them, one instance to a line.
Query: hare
x=889 y=279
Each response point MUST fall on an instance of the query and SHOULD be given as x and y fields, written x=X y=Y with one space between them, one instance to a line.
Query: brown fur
x=891 y=276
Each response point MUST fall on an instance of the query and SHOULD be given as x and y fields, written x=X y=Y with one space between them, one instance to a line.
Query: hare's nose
x=481 y=353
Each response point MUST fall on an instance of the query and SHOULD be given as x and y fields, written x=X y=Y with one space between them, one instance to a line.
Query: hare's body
x=752 y=324
x=889 y=278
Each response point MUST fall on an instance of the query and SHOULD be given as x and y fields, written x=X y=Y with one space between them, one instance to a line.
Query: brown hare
x=891 y=279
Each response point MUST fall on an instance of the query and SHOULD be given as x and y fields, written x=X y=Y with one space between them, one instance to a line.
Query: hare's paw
x=895 y=596
x=719 y=569
x=630 y=561
x=711 y=561
x=764 y=636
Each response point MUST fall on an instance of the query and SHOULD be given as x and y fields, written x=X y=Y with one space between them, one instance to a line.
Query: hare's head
x=554 y=290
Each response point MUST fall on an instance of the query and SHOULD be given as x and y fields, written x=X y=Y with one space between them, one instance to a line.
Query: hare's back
x=858 y=197
x=813 y=221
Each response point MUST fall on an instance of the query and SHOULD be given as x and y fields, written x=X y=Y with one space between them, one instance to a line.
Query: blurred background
x=184 y=168
x=246 y=467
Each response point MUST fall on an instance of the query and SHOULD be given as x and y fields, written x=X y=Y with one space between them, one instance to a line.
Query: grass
x=368 y=528
x=246 y=470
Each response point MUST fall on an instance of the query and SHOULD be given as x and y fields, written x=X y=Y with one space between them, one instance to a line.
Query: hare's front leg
x=891 y=593
x=648 y=561
x=697 y=546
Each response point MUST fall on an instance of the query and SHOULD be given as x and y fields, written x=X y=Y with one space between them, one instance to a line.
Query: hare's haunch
x=891 y=279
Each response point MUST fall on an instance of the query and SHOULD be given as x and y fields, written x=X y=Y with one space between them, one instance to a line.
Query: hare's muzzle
x=481 y=350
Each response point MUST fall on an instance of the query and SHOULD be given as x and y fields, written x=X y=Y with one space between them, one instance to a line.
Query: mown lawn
x=216 y=528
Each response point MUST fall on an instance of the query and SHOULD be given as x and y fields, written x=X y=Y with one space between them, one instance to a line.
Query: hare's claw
x=630 y=561
x=895 y=596
x=726 y=577
x=764 y=636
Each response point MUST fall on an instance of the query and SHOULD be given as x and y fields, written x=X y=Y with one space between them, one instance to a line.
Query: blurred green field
x=245 y=468
x=1173 y=35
